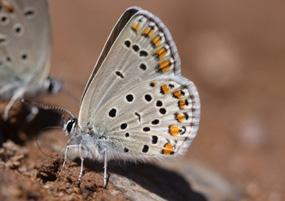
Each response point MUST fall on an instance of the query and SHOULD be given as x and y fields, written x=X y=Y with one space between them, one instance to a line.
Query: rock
x=179 y=180
x=11 y=155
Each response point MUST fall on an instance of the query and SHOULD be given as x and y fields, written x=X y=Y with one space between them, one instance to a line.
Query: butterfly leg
x=82 y=162
x=105 y=169
x=73 y=146
x=18 y=94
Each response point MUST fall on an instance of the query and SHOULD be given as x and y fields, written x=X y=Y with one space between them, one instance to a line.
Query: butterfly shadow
x=163 y=182
x=18 y=129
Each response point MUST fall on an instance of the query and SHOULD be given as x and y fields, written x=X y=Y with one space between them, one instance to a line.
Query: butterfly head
x=69 y=126
x=52 y=85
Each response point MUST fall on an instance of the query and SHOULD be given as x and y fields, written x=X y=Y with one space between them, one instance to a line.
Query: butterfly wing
x=136 y=94
x=25 y=42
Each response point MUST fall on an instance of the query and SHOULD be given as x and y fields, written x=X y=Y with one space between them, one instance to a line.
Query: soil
x=233 y=51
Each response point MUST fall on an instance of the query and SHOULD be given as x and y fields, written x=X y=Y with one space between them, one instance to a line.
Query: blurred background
x=235 y=53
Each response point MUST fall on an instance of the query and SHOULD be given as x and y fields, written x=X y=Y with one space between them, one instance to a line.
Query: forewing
x=138 y=48
x=139 y=67
x=25 y=40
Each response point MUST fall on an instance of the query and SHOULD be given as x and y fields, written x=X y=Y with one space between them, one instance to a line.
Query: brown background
x=232 y=50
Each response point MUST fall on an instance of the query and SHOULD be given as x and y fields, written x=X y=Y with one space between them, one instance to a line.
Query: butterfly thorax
x=93 y=141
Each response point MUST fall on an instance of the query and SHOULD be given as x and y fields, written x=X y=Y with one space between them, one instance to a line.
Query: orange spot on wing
x=174 y=130
x=168 y=149
x=164 y=66
x=161 y=52
x=182 y=104
x=153 y=83
x=135 y=26
x=180 y=117
x=177 y=94
x=156 y=40
x=164 y=89
x=147 y=32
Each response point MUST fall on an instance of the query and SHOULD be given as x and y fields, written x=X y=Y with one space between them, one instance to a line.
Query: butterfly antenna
x=65 y=114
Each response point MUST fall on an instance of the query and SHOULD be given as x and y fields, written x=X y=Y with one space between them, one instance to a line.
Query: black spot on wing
x=154 y=139
x=145 y=149
x=130 y=98
x=143 y=53
x=146 y=129
x=148 y=97
x=119 y=74
x=139 y=116
x=143 y=66
x=159 y=103
x=8 y=59
x=155 y=122
x=24 y=56
x=124 y=126
x=29 y=13
x=136 y=48
x=162 y=111
x=113 y=112
x=2 y=40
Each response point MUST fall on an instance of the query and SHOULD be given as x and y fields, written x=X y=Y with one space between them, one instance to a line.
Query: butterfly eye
x=70 y=125
x=52 y=85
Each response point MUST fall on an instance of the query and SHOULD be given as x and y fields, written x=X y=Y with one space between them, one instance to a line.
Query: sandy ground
x=233 y=51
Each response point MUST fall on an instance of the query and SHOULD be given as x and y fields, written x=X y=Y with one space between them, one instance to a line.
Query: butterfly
x=25 y=48
x=136 y=104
